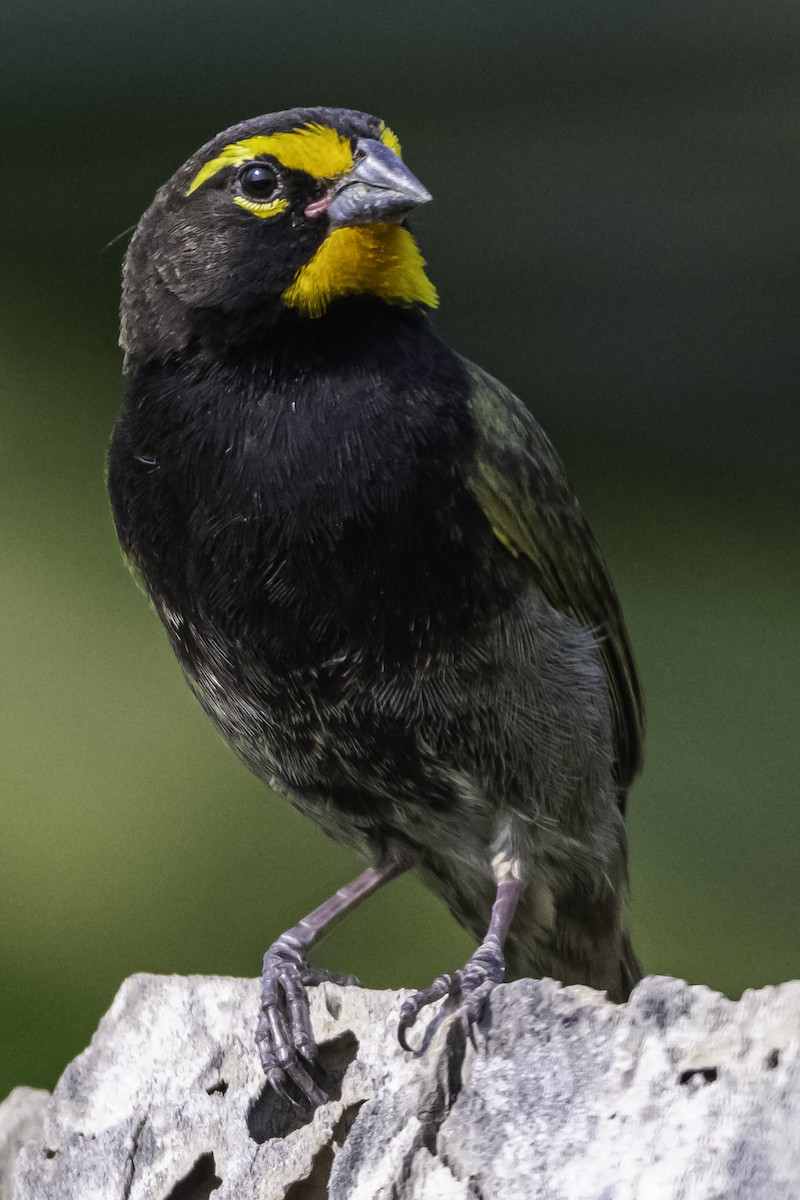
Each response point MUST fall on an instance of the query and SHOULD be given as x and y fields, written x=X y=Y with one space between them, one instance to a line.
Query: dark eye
x=258 y=181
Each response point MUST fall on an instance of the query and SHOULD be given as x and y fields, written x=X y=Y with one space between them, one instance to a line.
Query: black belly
x=313 y=551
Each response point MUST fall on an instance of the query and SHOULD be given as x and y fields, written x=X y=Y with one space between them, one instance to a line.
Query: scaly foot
x=468 y=988
x=284 y=1037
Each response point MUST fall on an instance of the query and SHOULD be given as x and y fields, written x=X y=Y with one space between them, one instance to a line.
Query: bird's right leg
x=284 y=1036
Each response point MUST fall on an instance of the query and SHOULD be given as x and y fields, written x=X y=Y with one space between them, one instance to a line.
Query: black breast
x=302 y=492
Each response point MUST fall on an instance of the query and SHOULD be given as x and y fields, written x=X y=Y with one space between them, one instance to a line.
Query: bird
x=369 y=562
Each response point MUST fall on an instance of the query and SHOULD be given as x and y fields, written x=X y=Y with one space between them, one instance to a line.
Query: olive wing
x=519 y=483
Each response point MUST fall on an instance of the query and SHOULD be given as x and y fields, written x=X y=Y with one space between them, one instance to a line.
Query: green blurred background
x=614 y=234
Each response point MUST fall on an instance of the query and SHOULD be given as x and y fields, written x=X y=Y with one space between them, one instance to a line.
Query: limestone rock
x=678 y=1095
x=21 y=1121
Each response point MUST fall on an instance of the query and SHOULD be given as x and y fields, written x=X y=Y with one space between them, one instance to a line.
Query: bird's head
x=286 y=212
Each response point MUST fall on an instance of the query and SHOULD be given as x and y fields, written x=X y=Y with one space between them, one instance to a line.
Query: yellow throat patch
x=375 y=260
x=371 y=260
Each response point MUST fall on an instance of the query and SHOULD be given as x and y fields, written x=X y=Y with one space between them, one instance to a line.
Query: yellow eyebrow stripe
x=315 y=149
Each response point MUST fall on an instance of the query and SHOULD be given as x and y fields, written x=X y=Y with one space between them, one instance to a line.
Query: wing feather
x=519 y=482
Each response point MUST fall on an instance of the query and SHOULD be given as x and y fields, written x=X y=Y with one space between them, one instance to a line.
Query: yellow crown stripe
x=315 y=149
x=390 y=139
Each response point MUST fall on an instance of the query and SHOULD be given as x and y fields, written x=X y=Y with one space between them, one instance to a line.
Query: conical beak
x=379 y=188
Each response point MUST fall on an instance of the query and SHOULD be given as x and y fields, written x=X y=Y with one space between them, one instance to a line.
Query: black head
x=286 y=212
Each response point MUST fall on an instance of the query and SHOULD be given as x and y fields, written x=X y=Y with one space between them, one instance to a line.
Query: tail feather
x=610 y=967
x=583 y=942
x=630 y=968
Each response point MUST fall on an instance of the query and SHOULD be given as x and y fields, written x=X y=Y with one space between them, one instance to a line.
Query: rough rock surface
x=678 y=1094
x=21 y=1121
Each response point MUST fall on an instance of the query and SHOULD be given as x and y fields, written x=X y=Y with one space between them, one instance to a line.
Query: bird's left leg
x=486 y=966
x=284 y=1036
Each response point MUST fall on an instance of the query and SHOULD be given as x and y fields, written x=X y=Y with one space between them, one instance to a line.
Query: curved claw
x=444 y=985
x=469 y=987
x=275 y=1081
x=306 y=1086
x=284 y=1036
x=407 y=1018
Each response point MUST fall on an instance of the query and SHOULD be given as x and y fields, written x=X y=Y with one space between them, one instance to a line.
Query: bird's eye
x=258 y=181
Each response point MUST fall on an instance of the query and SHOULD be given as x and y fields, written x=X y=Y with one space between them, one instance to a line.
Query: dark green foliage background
x=614 y=234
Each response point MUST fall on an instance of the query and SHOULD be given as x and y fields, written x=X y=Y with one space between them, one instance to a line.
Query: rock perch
x=680 y=1094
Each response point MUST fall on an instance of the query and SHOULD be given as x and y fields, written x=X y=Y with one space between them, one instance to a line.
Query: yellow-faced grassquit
x=370 y=565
